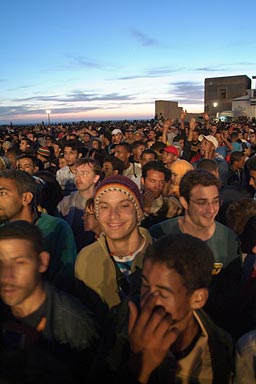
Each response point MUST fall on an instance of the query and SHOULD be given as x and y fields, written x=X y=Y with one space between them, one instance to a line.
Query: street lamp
x=215 y=104
x=48 y=111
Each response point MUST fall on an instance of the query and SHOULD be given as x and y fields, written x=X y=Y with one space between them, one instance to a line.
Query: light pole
x=48 y=111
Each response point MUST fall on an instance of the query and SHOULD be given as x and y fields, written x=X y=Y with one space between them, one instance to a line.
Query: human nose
x=6 y=273
x=211 y=206
x=114 y=211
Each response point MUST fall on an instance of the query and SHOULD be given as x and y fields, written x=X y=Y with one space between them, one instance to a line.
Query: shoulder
x=54 y=225
x=225 y=231
x=80 y=325
x=164 y=227
x=91 y=252
x=215 y=333
x=146 y=234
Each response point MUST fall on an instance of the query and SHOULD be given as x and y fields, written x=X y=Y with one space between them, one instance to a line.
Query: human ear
x=44 y=260
x=27 y=197
x=199 y=298
x=183 y=202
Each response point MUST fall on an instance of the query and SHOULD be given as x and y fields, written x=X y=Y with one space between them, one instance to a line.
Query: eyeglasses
x=203 y=203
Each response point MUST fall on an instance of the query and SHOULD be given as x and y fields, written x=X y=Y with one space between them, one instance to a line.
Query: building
x=167 y=109
x=219 y=92
x=245 y=105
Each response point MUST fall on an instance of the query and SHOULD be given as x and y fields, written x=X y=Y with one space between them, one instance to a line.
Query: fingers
x=133 y=314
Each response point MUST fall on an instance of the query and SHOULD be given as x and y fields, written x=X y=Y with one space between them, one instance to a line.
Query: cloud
x=153 y=72
x=75 y=63
x=62 y=105
x=78 y=96
x=188 y=92
x=143 y=39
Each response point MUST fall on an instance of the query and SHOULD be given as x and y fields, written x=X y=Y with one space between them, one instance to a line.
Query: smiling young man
x=199 y=196
x=164 y=335
x=108 y=265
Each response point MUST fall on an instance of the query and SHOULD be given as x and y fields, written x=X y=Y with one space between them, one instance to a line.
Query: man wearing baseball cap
x=117 y=136
x=169 y=155
x=208 y=146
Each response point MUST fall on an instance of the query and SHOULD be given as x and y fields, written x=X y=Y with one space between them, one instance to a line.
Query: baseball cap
x=171 y=149
x=116 y=131
x=210 y=138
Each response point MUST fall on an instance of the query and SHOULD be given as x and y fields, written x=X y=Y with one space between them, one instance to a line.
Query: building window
x=222 y=93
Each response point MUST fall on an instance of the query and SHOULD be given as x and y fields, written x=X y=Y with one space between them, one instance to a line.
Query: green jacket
x=95 y=268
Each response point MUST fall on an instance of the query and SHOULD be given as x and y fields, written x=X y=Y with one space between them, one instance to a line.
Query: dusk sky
x=101 y=60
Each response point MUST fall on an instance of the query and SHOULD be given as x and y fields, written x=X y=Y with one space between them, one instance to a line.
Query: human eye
x=201 y=203
x=3 y=193
x=20 y=261
x=125 y=205
x=103 y=206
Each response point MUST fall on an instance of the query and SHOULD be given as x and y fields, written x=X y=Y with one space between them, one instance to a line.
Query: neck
x=31 y=303
x=72 y=167
x=188 y=226
x=24 y=214
x=88 y=193
x=125 y=246
x=186 y=337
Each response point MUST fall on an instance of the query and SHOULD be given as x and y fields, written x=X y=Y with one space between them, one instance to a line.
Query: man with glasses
x=200 y=198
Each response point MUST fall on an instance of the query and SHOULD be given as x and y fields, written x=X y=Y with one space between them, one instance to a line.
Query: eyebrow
x=162 y=287
x=121 y=201
x=205 y=198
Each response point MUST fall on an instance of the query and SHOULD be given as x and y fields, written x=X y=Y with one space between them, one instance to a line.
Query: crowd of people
x=127 y=252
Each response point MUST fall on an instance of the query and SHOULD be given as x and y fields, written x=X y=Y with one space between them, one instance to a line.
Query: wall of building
x=167 y=109
x=244 y=108
x=221 y=90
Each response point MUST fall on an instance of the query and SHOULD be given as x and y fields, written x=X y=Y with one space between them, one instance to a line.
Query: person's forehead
x=25 y=161
x=69 y=149
x=152 y=174
x=5 y=181
x=120 y=148
x=84 y=167
x=200 y=189
x=148 y=156
x=16 y=248
x=107 y=164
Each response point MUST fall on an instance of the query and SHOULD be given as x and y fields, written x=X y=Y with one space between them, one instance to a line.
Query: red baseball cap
x=171 y=149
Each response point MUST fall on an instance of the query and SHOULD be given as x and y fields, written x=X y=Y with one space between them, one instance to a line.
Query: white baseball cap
x=210 y=138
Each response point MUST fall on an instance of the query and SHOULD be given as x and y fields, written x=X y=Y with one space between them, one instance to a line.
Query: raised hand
x=151 y=335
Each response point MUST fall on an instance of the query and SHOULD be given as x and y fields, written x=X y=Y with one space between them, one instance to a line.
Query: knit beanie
x=123 y=184
x=44 y=151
